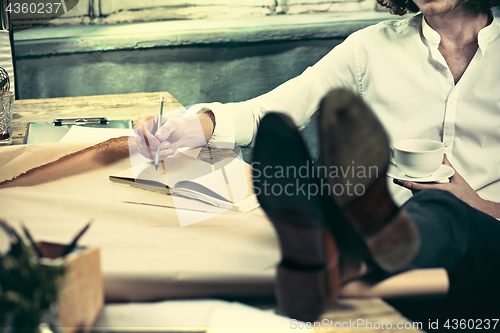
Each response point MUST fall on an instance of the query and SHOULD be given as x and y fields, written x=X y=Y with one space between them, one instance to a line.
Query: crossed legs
x=326 y=239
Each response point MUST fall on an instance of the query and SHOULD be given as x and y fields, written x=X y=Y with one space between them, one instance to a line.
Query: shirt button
x=447 y=143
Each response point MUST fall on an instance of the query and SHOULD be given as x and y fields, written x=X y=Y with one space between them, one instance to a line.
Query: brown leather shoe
x=355 y=151
x=308 y=276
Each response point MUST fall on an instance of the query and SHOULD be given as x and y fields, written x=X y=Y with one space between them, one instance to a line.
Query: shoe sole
x=308 y=277
x=363 y=159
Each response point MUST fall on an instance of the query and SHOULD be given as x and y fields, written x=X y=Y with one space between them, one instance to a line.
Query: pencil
x=157 y=157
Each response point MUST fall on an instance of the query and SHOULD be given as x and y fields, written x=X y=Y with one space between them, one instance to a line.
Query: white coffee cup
x=418 y=157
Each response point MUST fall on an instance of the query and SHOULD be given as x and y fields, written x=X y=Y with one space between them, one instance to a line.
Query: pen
x=157 y=157
x=72 y=246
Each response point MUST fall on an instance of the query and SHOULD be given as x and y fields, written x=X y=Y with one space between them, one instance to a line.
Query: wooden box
x=82 y=291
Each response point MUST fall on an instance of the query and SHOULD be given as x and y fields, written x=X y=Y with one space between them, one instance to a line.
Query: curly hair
x=401 y=7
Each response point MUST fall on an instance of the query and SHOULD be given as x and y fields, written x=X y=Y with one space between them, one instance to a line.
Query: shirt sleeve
x=299 y=97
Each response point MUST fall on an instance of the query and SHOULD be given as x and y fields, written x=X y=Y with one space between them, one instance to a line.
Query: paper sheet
x=414 y=283
x=191 y=152
x=93 y=134
x=220 y=316
x=18 y=159
x=84 y=133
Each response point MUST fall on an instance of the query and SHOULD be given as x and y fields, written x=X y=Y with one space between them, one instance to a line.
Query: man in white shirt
x=434 y=75
x=434 y=78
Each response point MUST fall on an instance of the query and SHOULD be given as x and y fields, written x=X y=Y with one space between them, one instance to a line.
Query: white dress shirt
x=396 y=67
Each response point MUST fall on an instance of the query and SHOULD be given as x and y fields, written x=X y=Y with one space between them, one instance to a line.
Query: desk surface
x=130 y=106
x=122 y=106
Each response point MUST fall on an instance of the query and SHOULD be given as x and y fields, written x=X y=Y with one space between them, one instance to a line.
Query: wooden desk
x=131 y=106
x=114 y=107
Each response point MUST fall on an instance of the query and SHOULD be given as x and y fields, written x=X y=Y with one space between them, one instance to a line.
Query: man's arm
x=490 y=208
x=207 y=121
x=462 y=190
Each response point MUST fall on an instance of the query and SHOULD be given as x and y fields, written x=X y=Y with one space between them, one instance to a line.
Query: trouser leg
x=464 y=241
x=459 y=238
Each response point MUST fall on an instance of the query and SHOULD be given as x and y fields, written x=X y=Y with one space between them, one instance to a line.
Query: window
x=127 y=11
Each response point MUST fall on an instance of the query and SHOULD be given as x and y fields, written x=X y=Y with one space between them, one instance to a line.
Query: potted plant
x=28 y=284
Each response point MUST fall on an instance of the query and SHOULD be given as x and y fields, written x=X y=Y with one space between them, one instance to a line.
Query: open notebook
x=226 y=184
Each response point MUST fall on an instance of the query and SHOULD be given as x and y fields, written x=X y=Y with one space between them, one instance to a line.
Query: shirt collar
x=487 y=34
x=430 y=34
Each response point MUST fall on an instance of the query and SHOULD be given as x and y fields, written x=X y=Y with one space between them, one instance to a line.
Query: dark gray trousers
x=459 y=238
x=464 y=241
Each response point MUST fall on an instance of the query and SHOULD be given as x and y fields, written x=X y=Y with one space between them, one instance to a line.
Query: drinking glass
x=6 y=109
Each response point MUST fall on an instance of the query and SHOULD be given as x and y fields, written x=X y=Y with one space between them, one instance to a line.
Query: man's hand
x=168 y=137
x=459 y=188
x=174 y=133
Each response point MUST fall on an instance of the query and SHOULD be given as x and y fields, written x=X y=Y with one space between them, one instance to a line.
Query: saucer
x=443 y=173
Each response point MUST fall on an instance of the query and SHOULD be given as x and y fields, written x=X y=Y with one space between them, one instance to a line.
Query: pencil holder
x=45 y=287
x=29 y=284
x=82 y=291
